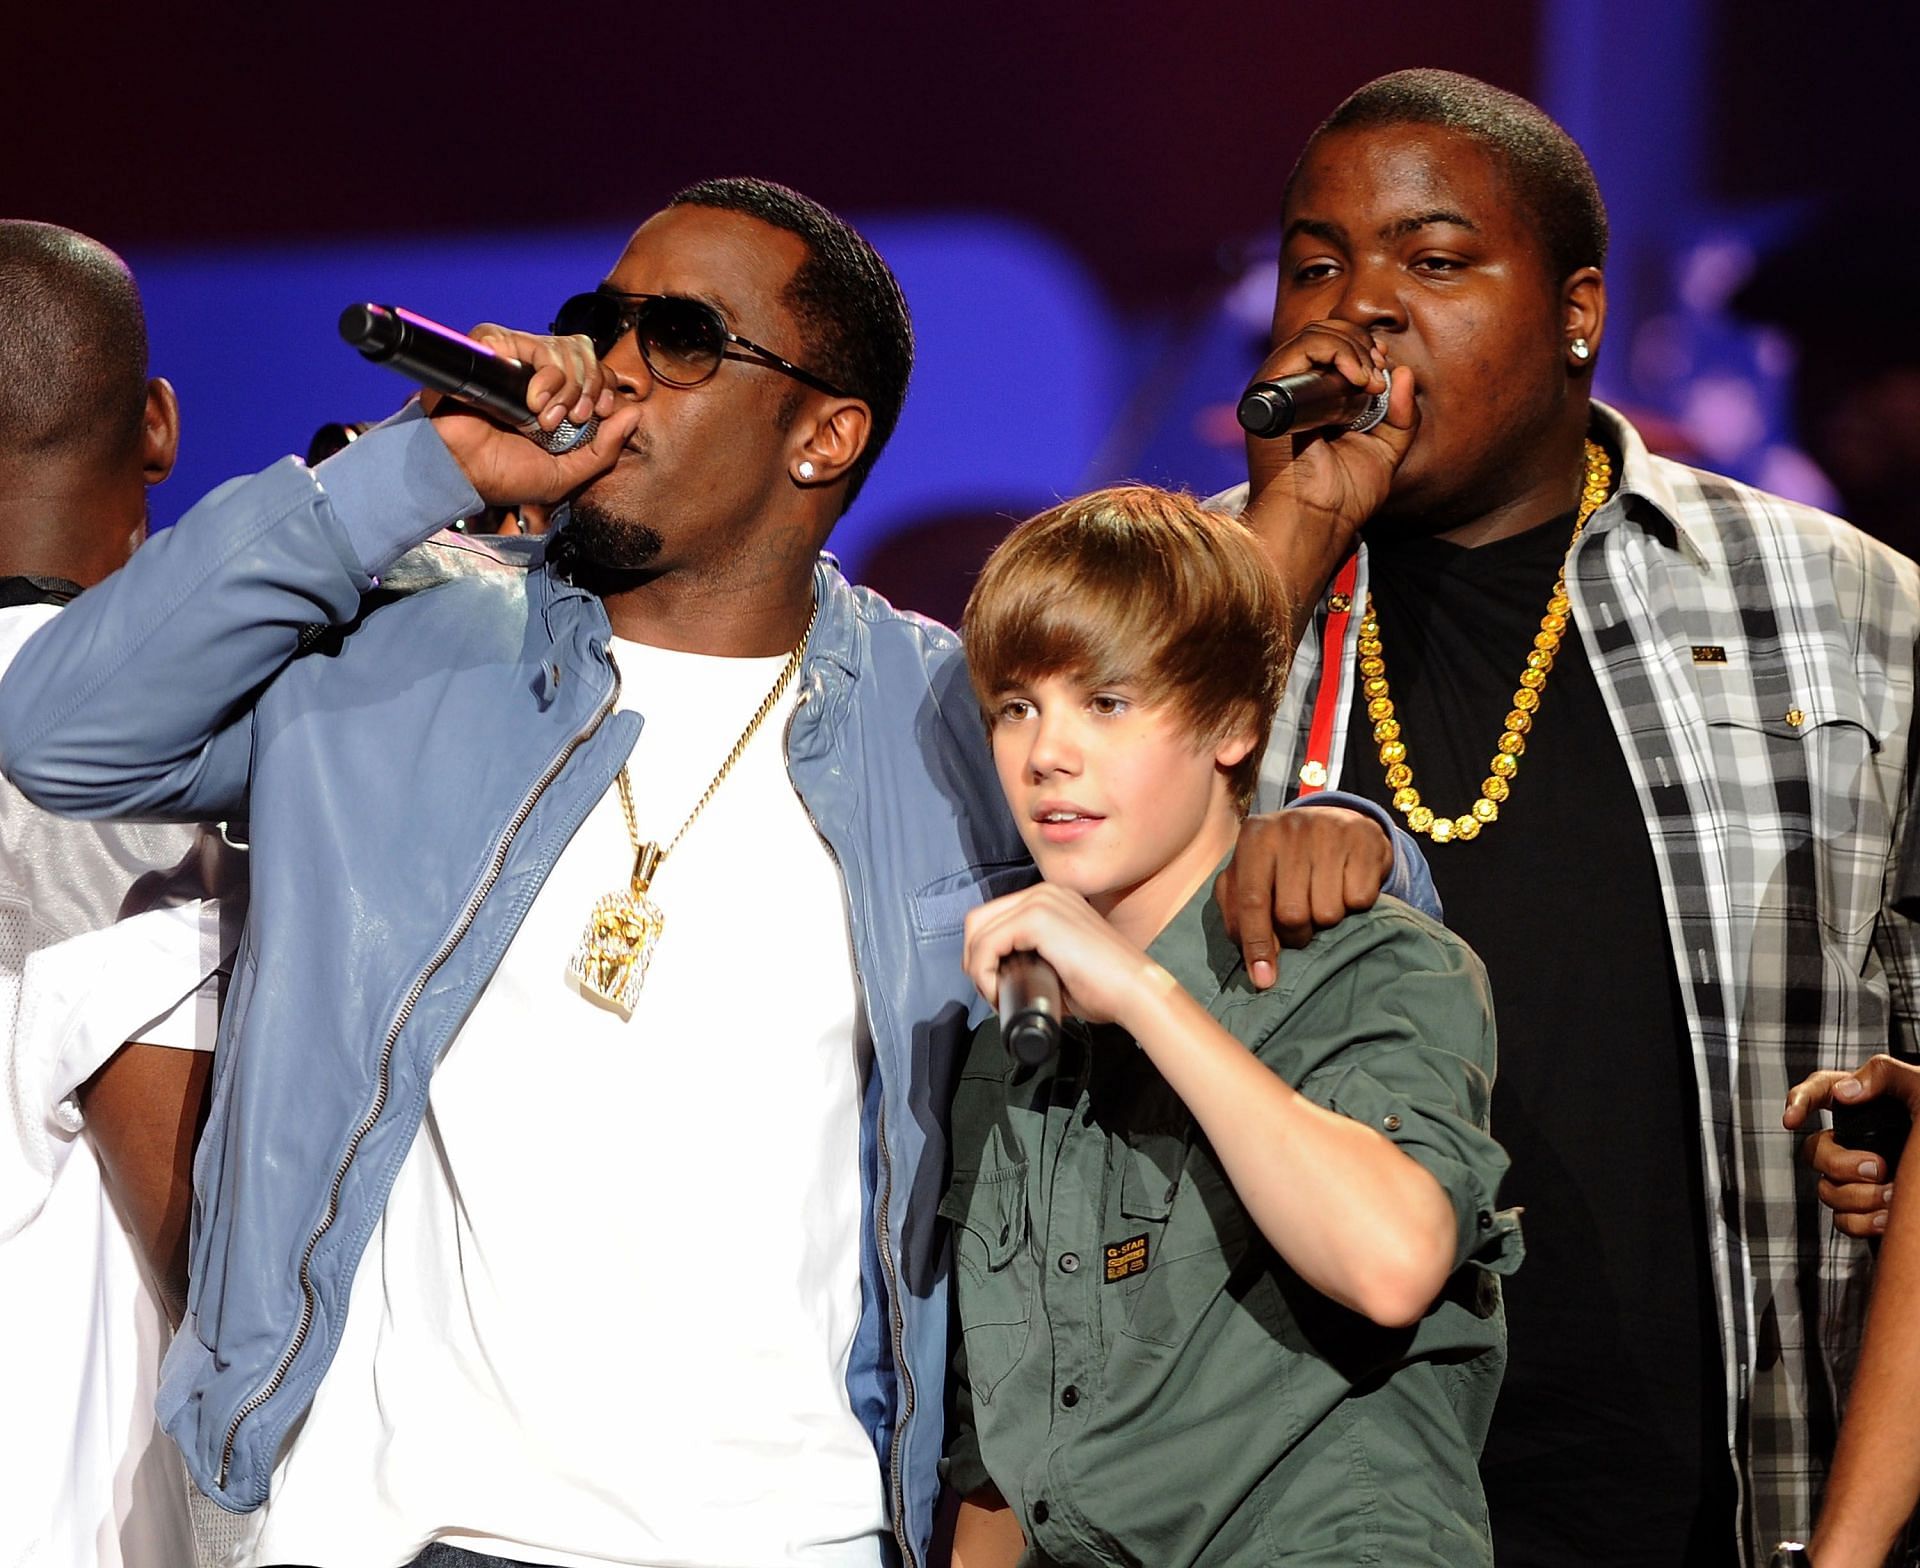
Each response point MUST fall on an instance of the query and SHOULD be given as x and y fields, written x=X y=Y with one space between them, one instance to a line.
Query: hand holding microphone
x=1040 y=952
x=1310 y=400
x=446 y=361
x=577 y=434
x=1308 y=497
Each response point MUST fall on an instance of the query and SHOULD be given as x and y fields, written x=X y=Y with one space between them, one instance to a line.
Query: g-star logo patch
x=1125 y=1258
x=1709 y=653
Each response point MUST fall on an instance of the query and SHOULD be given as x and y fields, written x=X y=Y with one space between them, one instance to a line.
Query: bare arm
x=144 y=1111
x=986 y=1534
x=1876 y=1467
x=1875 y=1479
x=1354 y=1216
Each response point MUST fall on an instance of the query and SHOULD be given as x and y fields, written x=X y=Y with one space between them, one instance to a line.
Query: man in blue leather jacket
x=676 y=1007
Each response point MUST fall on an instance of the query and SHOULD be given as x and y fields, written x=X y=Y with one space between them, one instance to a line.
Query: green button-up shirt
x=1139 y=1374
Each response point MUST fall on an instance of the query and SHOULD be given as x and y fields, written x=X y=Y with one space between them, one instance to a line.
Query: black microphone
x=451 y=362
x=1310 y=400
x=1029 y=1008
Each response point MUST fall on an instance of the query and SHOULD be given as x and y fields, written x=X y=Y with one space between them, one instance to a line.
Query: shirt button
x=1069 y=1263
x=1486 y=1220
x=1391 y=1123
x=1041 y=1511
x=1070 y=1396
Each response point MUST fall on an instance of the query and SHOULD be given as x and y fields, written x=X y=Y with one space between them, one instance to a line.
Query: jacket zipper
x=896 y=1459
x=896 y=1325
x=453 y=939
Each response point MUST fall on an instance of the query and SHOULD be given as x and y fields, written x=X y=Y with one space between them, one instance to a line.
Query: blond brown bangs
x=1141 y=586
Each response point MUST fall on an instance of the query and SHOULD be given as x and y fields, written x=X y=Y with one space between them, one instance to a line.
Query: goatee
x=609 y=540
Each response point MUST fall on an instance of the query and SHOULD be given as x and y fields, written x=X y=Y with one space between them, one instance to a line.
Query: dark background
x=1123 y=160
x=1139 y=133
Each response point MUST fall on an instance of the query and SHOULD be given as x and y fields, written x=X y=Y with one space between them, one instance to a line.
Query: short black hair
x=73 y=345
x=1547 y=169
x=846 y=299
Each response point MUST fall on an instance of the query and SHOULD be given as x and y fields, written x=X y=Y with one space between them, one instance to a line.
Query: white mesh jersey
x=104 y=937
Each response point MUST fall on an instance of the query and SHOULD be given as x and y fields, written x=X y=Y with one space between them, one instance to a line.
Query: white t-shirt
x=86 y=1477
x=607 y=1314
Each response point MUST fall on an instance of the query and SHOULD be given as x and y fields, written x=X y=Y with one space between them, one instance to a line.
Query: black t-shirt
x=1608 y=1443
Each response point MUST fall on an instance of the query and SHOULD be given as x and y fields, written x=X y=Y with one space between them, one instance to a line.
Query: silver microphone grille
x=566 y=435
x=1376 y=411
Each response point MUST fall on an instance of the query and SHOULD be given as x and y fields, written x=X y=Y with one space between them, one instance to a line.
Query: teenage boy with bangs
x=1224 y=1265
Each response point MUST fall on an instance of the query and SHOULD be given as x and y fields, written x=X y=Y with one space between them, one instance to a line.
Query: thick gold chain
x=1498 y=784
x=648 y=858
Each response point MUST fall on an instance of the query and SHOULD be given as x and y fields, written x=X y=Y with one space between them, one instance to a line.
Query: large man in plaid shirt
x=1656 y=726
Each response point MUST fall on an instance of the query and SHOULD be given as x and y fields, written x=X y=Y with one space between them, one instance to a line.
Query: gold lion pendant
x=610 y=964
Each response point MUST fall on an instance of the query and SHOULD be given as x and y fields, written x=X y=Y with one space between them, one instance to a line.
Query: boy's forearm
x=1351 y=1214
x=130 y=701
x=1876 y=1468
x=986 y=1534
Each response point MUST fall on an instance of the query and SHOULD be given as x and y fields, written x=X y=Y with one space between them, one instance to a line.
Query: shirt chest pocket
x=1813 y=830
x=1183 y=1234
x=993 y=1270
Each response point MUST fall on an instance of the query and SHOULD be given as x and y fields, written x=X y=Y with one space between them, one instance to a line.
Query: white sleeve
x=153 y=977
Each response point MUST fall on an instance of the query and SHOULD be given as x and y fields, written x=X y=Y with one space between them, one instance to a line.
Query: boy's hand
x=1297 y=872
x=1101 y=972
x=1851 y=1181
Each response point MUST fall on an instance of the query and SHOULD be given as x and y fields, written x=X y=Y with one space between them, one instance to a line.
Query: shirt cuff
x=1460 y=1156
x=152 y=978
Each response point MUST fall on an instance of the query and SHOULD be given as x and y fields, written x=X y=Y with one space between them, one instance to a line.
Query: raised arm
x=1359 y=1217
x=135 y=700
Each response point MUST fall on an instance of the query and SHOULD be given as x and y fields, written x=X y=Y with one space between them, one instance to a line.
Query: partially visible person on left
x=109 y=953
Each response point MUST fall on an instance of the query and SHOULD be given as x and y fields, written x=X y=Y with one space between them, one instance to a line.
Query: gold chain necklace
x=610 y=964
x=1598 y=479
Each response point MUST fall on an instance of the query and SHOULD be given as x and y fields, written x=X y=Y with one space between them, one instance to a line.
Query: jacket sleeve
x=137 y=699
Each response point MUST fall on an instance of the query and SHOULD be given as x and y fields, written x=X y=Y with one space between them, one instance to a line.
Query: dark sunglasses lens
x=681 y=340
x=593 y=316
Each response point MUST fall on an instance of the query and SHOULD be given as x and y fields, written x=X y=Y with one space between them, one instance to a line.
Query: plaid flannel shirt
x=1758 y=660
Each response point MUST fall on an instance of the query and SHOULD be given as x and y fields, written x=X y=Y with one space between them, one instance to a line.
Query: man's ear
x=829 y=441
x=159 y=431
x=1583 y=300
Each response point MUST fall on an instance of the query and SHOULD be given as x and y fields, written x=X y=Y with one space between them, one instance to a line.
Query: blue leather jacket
x=411 y=764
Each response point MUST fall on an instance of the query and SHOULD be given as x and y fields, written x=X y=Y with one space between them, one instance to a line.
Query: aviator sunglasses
x=682 y=340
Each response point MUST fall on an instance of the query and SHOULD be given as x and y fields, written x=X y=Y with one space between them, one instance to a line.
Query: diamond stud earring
x=806 y=470
x=1581 y=351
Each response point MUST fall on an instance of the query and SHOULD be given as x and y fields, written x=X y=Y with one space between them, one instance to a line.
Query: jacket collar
x=836 y=628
